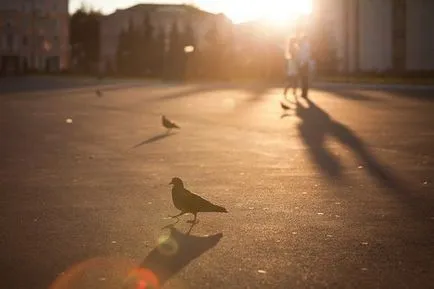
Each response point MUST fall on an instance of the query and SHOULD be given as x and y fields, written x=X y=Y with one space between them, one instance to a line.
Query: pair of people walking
x=298 y=56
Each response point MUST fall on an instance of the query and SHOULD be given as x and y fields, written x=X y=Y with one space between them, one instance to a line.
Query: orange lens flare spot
x=143 y=279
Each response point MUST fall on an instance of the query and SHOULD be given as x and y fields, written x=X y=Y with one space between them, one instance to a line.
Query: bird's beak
x=171 y=183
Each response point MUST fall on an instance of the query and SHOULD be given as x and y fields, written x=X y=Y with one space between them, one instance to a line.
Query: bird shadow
x=155 y=138
x=175 y=251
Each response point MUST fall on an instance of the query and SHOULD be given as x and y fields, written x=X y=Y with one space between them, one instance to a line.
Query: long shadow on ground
x=154 y=139
x=175 y=251
x=351 y=94
x=316 y=125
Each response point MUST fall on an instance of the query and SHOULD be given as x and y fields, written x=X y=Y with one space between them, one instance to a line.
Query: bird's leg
x=176 y=216
x=191 y=228
x=194 y=221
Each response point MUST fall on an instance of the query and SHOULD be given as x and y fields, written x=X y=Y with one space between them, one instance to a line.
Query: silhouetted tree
x=228 y=56
x=188 y=36
x=159 y=53
x=147 y=46
x=133 y=49
x=207 y=57
x=127 y=50
x=122 y=52
x=212 y=55
x=324 y=48
x=85 y=38
x=175 y=53
x=188 y=63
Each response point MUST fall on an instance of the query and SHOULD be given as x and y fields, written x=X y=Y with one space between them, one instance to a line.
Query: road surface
x=336 y=193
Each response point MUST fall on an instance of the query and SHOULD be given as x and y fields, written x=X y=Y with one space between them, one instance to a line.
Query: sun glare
x=273 y=11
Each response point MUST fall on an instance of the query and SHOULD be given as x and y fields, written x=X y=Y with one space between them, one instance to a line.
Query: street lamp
x=188 y=49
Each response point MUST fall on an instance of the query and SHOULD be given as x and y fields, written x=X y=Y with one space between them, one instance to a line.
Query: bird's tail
x=175 y=125
x=215 y=208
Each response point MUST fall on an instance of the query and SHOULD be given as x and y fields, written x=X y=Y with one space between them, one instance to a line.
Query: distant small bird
x=284 y=106
x=98 y=93
x=168 y=124
x=187 y=202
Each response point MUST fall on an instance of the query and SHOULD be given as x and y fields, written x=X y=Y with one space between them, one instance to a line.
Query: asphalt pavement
x=337 y=192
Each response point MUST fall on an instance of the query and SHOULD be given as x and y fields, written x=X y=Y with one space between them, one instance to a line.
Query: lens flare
x=142 y=279
x=95 y=273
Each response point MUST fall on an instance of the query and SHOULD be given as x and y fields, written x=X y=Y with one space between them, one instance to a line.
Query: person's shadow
x=314 y=128
x=173 y=253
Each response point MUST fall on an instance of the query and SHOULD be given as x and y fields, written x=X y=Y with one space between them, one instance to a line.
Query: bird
x=168 y=124
x=187 y=202
x=98 y=93
x=284 y=106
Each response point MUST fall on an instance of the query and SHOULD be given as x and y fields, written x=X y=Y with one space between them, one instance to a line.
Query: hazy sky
x=237 y=10
x=108 y=6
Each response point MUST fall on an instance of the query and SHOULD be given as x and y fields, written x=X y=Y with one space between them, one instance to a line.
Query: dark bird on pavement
x=98 y=93
x=168 y=124
x=284 y=106
x=187 y=202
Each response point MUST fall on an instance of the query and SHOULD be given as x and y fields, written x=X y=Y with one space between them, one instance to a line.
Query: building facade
x=380 y=35
x=34 y=35
x=162 y=18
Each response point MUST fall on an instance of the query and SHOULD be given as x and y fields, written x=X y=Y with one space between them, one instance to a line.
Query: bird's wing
x=284 y=106
x=175 y=125
x=166 y=122
x=196 y=203
x=169 y=124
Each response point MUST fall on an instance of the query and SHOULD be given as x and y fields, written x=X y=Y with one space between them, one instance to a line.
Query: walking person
x=304 y=60
x=292 y=67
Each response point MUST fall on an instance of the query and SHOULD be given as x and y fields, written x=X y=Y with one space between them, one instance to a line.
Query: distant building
x=161 y=17
x=380 y=35
x=34 y=34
